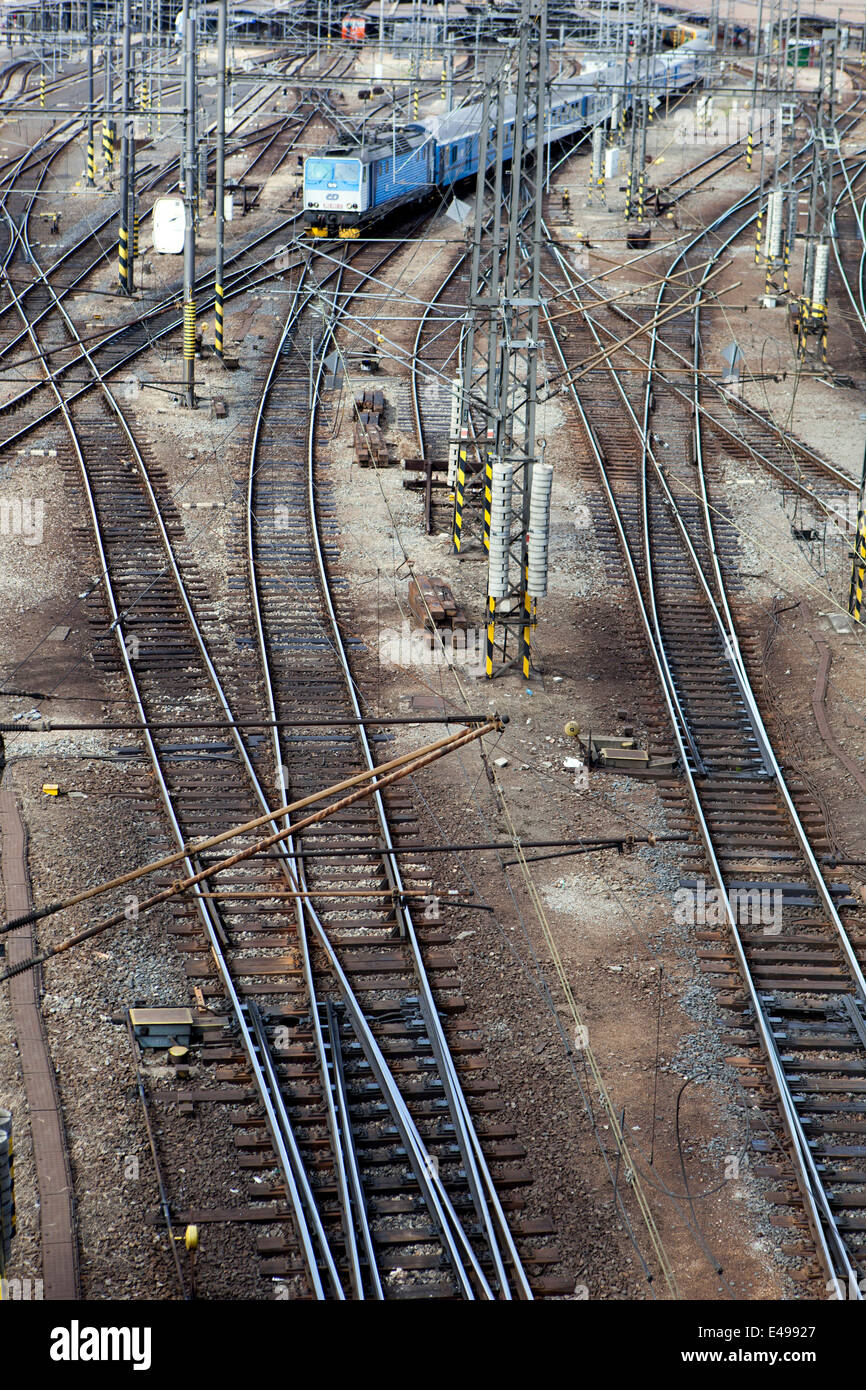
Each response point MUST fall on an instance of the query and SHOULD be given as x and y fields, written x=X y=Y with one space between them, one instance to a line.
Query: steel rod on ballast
x=420 y=760
x=197 y=847
x=219 y=191
x=189 y=181
x=380 y=721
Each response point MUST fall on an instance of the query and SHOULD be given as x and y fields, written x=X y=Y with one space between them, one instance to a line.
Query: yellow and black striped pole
x=416 y=97
x=91 y=163
x=135 y=226
x=444 y=83
x=750 y=149
x=491 y=629
x=768 y=278
x=786 y=264
x=123 y=254
x=189 y=331
x=42 y=89
x=189 y=352
x=459 y=495
x=218 y=320
x=758 y=229
x=855 y=597
x=527 y=627
x=803 y=311
x=108 y=145
x=488 y=498
x=628 y=196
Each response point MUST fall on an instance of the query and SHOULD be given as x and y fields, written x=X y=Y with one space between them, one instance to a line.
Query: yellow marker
x=51 y=789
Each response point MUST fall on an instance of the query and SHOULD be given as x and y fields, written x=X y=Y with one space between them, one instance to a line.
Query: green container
x=798 y=56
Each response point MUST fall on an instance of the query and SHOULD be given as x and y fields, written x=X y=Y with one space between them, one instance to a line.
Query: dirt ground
x=653 y=1035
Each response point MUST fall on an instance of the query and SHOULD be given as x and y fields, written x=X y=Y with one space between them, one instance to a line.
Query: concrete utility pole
x=189 y=182
x=219 y=193
x=125 y=235
x=91 y=152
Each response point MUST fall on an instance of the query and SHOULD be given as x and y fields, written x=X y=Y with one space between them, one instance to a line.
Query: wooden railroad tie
x=371 y=450
x=433 y=604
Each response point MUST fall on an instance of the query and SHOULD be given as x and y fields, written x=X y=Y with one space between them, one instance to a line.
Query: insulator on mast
x=776 y=228
x=819 y=281
x=538 y=540
x=500 y=529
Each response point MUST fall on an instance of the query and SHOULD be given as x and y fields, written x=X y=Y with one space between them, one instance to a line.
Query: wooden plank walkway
x=53 y=1173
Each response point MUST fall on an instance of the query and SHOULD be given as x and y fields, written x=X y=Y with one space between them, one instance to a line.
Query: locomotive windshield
x=332 y=173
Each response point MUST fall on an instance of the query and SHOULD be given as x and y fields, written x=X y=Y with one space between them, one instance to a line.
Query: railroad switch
x=162 y=1028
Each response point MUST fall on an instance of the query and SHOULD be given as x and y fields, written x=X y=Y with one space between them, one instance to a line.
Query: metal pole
x=189 y=178
x=219 y=192
x=125 y=230
x=91 y=153
x=108 y=119
x=381 y=38
x=750 y=142
x=131 y=218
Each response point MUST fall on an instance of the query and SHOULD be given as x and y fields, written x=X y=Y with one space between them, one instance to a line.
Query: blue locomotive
x=347 y=188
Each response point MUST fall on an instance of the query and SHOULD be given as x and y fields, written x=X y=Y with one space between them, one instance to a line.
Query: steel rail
x=858 y=304
x=478 y=1171
x=793 y=481
x=812 y=1186
x=285 y=1147
x=274 y=1106
x=158 y=173
x=672 y=715
x=301 y=300
x=454 y=1239
x=422 y=1155
x=721 y=609
x=814 y=1194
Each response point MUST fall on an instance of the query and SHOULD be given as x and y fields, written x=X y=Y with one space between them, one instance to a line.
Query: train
x=347 y=188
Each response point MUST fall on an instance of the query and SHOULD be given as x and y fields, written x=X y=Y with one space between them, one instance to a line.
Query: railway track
x=368 y=1123
x=366 y=1186
x=793 y=983
x=368 y=960
x=84 y=257
x=849 y=244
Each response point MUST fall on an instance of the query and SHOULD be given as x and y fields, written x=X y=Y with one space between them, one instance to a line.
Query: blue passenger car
x=345 y=188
